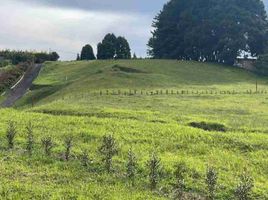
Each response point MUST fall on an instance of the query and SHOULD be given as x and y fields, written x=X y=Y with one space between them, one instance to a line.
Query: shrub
x=209 y=126
x=30 y=138
x=68 y=146
x=244 y=188
x=211 y=181
x=154 y=165
x=108 y=149
x=85 y=160
x=10 y=134
x=179 y=186
x=131 y=166
x=48 y=145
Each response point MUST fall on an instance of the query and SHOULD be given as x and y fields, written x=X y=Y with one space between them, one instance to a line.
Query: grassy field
x=69 y=99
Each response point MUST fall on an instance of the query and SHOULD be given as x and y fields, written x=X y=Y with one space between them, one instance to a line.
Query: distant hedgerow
x=30 y=138
x=131 y=166
x=154 y=165
x=10 y=134
x=108 y=149
x=47 y=143
x=244 y=188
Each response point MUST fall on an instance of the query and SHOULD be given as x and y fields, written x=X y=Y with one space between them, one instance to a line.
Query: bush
x=10 y=134
x=211 y=181
x=244 y=188
x=261 y=65
x=108 y=149
x=68 y=146
x=209 y=126
x=30 y=138
x=48 y=145
x=131 y=167
x=154 y=165
x=179 y=186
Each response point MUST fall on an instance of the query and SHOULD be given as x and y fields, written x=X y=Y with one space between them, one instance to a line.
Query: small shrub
x=10 y=134
x=154 y=165
x=211 y=181
x=108 y=149
x=68 y=146
x=85 y=160
x=48 y=145
x=30 y=139
x=131 y=166
x=244 y=188
x=179 y=186
x=209 y=126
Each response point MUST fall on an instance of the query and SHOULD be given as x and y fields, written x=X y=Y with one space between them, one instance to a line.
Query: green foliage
x=87 y=53
x=30 y=138
x=10 y=134
x=262 y=64
x=214 y=30
x=131 y=166
x=179 y=186
x=209 y=126
x=47 y=144
x=108 y=150
x=85 y=159
x=154 y=165
x=113 y=47
x=243 y=190
x=68 y=147
x=211 y=181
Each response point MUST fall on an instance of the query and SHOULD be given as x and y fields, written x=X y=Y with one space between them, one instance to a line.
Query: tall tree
x=209 y=30
x=87 y=53
x=107 y=48
x=122 y=48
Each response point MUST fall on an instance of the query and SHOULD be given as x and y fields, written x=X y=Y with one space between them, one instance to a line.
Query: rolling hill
x=200 y=114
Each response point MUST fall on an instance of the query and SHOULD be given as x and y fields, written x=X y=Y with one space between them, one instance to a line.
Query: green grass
x=65 y=104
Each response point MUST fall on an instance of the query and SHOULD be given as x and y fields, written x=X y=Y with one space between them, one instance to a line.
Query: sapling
x=179 y=186
x=244 y=188
x=85 y=160
x=68 y=146
x=47 y=143
x=131 y=166
x=10 y=134
x=154 y=165
x=211 y=181
x=30 y=138
x=108 y=149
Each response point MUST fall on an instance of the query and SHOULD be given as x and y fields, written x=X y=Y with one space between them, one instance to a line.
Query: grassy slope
x=145 y=123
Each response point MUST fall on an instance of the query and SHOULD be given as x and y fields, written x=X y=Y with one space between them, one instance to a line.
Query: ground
x=149 y=107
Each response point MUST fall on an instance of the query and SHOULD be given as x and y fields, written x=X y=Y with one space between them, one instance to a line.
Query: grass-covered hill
x=202 y=115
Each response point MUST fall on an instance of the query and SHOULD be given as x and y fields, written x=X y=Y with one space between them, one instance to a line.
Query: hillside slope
x=201 y=128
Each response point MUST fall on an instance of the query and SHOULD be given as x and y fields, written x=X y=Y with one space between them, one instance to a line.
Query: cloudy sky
x=66 y=25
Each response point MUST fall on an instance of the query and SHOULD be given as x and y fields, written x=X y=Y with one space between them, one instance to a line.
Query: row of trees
x=16 y=57
x=109 y=148
x=111 y=47
x=211 y=30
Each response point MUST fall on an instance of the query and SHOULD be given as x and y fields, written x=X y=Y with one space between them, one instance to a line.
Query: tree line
x=111 y=47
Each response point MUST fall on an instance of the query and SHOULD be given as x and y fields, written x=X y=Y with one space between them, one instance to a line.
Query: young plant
x=47 y=143
x=154 y=165
x=131 y=166
x=179 y=186
x=85 y=160
x=68 y=146
x=108 y=149
x=30 y=138
x=244 y=188
x=211 y=181
x=10 y=134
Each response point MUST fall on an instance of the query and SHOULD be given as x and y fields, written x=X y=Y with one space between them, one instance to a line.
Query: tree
x=54 y=56
x=87 y=53
x=211 y=30
x=244 y=188
x=78 y=57
x=113 y=47
x=154 y=165
x=211 y=181
x=262 y=65
x=122 y=48
x=134 y=56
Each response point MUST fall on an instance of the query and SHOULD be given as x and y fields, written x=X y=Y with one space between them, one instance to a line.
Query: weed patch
x=209 y=126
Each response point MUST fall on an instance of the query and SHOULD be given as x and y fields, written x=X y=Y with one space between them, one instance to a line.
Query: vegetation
x=113 y=47
x=218 y=31
x=78 y=106
x=262 y=65
x=87 y=53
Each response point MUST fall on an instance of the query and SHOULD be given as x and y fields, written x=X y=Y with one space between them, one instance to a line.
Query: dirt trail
x=22 y=86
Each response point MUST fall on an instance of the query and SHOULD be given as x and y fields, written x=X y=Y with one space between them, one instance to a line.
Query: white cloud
x=67 y=30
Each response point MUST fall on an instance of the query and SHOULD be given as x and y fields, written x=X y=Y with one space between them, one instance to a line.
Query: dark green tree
x=107 y=48
x=87 y=53
x=78 y=57
x=122 y=48
x=209 y=30
x=54 y=56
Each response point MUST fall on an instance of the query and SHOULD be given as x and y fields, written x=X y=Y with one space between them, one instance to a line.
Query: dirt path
x=22 y=86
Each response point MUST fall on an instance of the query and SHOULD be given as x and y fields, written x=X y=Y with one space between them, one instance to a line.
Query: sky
x=67 y=25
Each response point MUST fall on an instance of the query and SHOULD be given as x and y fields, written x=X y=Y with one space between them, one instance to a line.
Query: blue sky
x=66 y=25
